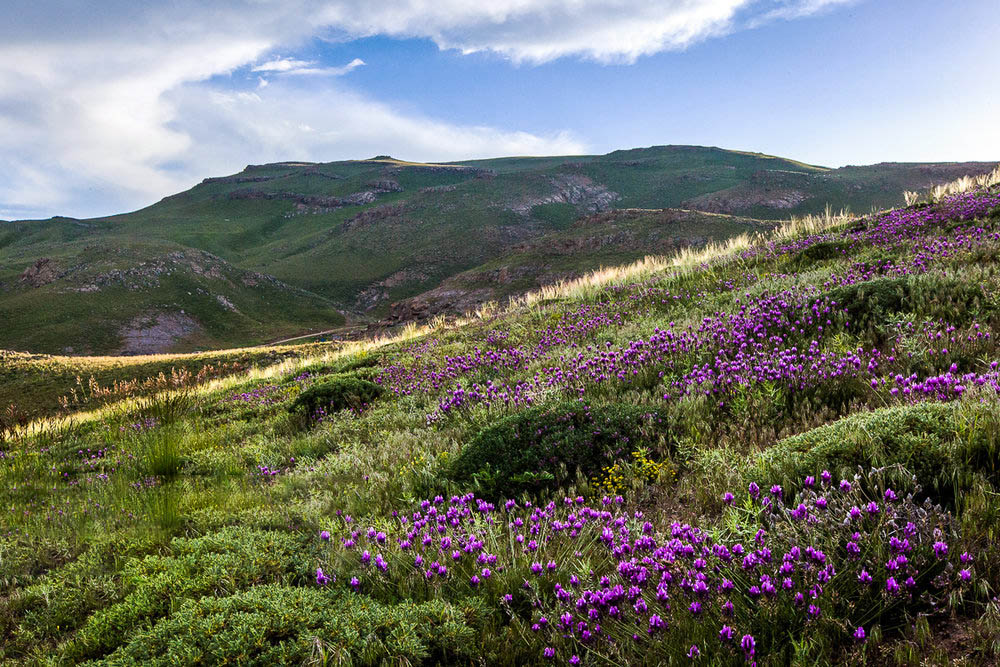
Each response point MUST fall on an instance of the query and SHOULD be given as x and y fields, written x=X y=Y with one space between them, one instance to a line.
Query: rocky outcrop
x=575 y=189
x=239 y=179
x=322 y=174
x=383 y=185
x=156 y=332
x=767 y=188
x=42 y=272
x=226 y=303
x=440 y=301
x=477 y=172
x=742 y=201
x=378 y=292
x=374 y=215
x=438 y=188
x=147 y=274
x=323 y=201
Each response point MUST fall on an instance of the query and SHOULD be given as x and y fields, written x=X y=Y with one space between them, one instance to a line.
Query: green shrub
x=221 y=563
x=351 y=364
x=61 y=599
x=543 y=447
x=943 y=445
x=335 y=394
x=276 y=625
x=871 y=303
x=817 y=252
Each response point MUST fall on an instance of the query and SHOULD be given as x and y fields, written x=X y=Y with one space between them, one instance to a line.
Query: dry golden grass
x=811 y=224
x=958 y=186
x=290 y=365
x=687 y=259
x=684 y=261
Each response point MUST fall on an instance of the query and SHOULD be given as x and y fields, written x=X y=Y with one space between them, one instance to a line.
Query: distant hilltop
x=290 y=248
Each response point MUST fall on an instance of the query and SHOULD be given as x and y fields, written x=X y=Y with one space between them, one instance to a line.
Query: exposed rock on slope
x=42 y=272
x=373 y=215
x=156 y=332
x=384 y=185
x=772 y=189
x=378 y=292
x=575 y=189
x=316 y=201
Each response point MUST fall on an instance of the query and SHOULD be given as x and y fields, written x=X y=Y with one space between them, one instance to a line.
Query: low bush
x=32 y=614
x=817 y=252
x=230 y=560
x=351 y=364
x=544 y=447
x=872 y=302
x=334 y=394
x=941 y=444
x=278 y=625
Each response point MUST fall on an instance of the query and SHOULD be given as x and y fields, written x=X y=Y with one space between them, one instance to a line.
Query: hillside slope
x=782 y=451
x=612 y=238
x=298 y=244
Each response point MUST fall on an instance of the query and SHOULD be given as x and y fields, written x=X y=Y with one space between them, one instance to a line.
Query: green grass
x=184 y=526
x=119 y=268
x=35 y=383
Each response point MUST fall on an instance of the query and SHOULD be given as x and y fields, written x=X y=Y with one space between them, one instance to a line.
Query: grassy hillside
x=779 y=451
x=286 y=248
x=37 y=385
x=616 y=237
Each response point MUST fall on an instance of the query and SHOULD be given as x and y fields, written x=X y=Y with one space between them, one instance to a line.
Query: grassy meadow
x=783 y=448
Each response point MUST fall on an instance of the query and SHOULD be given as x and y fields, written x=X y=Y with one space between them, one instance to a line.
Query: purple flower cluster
x=141 y=426
x=783 y=339
x=266 y=395
x=605 y=580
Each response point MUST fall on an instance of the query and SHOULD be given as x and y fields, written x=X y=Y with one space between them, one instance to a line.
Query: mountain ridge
x=356 y=238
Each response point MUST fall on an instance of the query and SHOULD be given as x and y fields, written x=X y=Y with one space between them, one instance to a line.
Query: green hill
x=778 y=449
x=615 y=237
x=286 y=248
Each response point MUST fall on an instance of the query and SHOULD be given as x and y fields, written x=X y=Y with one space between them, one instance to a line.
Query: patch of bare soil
x=42 y=272
x=156 y=332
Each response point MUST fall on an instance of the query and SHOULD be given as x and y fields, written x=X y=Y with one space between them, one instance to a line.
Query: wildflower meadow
x=783 y=451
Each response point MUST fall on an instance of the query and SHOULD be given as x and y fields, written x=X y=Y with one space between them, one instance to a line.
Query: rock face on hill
x=155 y=332
x=576 y=189
x=42 y=272
x=373 y=216
x=767 y=188
x=319 y=201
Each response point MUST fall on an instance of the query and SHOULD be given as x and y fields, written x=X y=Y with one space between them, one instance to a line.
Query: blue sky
x=110 y=107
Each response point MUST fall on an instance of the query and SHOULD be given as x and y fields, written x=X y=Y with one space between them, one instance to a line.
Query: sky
x=107 y=106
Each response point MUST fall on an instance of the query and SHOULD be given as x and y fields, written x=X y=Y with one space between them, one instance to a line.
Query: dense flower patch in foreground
x=840 y=561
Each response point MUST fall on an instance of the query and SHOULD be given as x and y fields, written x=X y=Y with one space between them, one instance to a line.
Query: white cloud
x=99 y=110
x=329 y=71
x=796 y=9
x=542 y=30
x=282 y=65
x=288 y=122
x=304 y=67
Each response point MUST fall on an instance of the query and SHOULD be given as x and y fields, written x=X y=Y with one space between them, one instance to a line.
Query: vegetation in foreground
x=785 y=451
